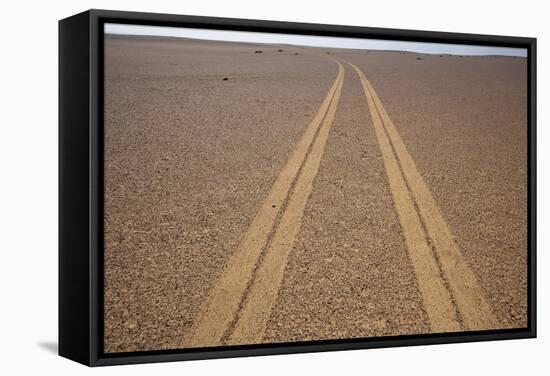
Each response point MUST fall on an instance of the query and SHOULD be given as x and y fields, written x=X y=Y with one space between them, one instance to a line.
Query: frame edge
x=74 y=272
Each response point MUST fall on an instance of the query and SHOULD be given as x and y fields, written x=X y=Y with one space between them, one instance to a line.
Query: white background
x=28 y=185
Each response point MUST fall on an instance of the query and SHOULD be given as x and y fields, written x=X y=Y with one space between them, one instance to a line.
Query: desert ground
x=271 y=193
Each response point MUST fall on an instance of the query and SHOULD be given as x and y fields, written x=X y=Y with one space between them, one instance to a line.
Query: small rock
x=131 y=324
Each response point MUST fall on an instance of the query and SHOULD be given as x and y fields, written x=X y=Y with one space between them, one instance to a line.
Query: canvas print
x=274 y=188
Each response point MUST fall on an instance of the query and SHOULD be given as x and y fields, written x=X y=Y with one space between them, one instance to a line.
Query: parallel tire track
x=221 y=307
x=421 y=219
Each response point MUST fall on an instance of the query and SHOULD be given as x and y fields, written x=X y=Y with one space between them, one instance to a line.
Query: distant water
x=313 y=41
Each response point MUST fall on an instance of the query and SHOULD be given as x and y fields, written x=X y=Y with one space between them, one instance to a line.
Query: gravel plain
x=188 y=157
x=196 y=133
x=464 y=121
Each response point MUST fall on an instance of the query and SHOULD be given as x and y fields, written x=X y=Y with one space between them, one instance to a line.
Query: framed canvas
x=235 y=187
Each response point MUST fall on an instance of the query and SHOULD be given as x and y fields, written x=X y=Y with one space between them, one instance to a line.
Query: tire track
x=448 y=285
x=220 y=310
x=251 y=325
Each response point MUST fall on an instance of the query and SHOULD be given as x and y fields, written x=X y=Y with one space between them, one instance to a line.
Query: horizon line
x=300 y=40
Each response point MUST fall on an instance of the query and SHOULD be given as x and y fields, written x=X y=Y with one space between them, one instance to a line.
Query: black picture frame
x=81 y=185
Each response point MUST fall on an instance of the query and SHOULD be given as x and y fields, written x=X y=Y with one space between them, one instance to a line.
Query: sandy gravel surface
x=188 y=158
x=348 y=274
x=198 y=132
x=464 y=121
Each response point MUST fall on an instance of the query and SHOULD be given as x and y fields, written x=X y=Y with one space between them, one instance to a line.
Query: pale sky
x=313 y=41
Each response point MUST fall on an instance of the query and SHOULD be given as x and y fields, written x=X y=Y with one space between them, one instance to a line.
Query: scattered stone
x=131 y=324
